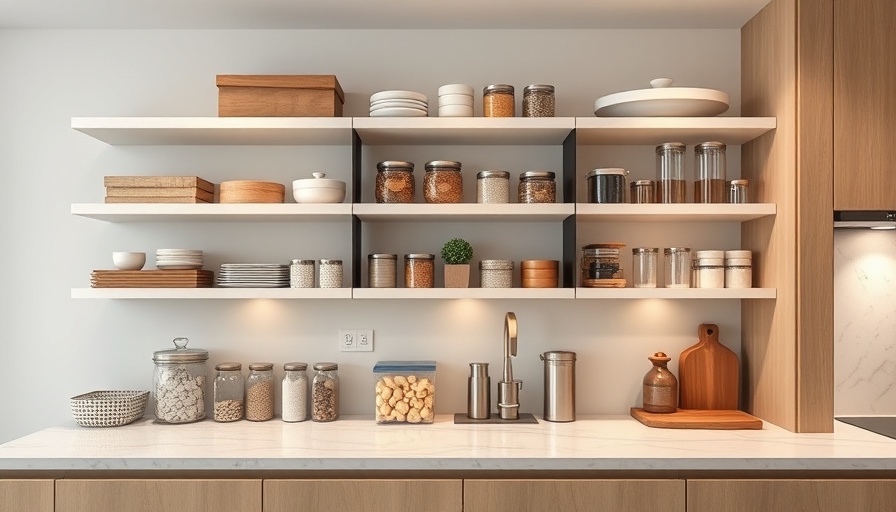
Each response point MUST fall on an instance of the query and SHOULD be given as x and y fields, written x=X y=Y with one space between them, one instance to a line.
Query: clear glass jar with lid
x=295 y=392
x=493 y=187
x=498 y=101
x=538 y=100
x=325 y=392
x=179 y=383
x=229 y=392
x=671 y=186
x=260 y=392
x=443 y=182
x=419 y=270
x=537 y=187
x=677 y=267
x=711 y=167
x=644 y=267
x=394 y=182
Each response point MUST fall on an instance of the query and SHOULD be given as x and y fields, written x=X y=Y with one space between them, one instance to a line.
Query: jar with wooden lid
x=419 y=270
x=493 y=187
x=538 y=100
x=496 y=273
x=394 y=182
x=229 y=392
x=660 y=390
x=443 y=182
x=260 y=392
x=738 y=191
x=498 y=101
x=537 y=187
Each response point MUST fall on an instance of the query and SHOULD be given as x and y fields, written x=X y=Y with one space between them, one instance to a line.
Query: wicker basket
x=109 y=408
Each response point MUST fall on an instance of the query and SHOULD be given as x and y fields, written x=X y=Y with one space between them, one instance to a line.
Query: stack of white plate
x=399 y=104
x=456 y=100
x=253 y=275
x=178 y=259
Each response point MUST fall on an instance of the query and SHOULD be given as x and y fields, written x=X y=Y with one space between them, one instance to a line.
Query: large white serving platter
x=663 y=101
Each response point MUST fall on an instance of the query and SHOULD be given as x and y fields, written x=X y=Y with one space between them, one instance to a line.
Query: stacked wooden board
x=158 y=189
x=152 y=278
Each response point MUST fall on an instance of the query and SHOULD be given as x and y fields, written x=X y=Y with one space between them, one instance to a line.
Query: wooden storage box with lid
x=279 y=96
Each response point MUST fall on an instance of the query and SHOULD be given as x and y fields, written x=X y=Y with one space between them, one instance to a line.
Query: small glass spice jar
x=419 y=270
x=179 y=383
x=641 y=192
x=671 y=186
x=493 y=187
x=443 y=182
x=738 y=191
x=738 y=269
x=381 y=270
x=538 y=100
x=496 y=274
x=677 y=267
x=537 y=187
x=325 y=392
x=229 y=392
x=660 y=391
x=331 y=273
x=394 y=182
x=644 y=267
x=498 y=101
x=260 y=392
x=294 y=392
x=301 y=274
x=709 y=269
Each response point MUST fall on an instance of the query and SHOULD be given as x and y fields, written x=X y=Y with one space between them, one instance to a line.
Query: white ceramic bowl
x=318 y=190
x=129 y=260
x=455 y=99
x=455 y=111
x=456 y=89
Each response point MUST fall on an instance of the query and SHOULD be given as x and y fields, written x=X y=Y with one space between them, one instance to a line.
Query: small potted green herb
x=457 y=254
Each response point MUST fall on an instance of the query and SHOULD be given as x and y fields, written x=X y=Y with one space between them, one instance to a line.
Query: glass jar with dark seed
x=606 y=185
x=538 y=100
x=537 y=187
x=394 y=182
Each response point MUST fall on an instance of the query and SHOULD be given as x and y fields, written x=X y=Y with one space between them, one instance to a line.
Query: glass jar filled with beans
x=394 y=182
x=493 y=187
x=260 y=392
x=229 y=391
x=538 y=100
x=419 y=270
x=325 y=392
x=537 y=187
x=498 y=101
x=443 y=182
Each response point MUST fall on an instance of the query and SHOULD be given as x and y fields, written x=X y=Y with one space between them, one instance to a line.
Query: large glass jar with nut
x=260 y=392
x=229 y=391
x=443 y=182
x=325 y=392
x=405 y=391
x=179 y=383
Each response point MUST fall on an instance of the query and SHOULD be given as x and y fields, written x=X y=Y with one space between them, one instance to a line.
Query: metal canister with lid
x=394 y=182
x=179 y=383
x=496 y=273
x=493 y=187
x=537 y=187
x=498 y=101
x=606 y=185
x=559 y=385
x=381 y=270
x=443 y=182
x=538 y=100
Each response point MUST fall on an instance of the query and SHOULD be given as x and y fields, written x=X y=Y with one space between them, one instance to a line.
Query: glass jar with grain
x=228 y=392
x=538 y=100
x=498 y=101
x=419 y=270
x=537 y=187
x=710 y=163
x=394 y=182
x=325 y=392
x=493 y=187
x=443 y=182
x=260 y=392
x=671 y=186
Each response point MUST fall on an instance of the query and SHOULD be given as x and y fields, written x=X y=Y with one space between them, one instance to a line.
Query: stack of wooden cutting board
x=158 y=189
x=193 y=278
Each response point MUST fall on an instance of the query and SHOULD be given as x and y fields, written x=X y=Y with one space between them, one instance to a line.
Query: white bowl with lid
x=318 y=189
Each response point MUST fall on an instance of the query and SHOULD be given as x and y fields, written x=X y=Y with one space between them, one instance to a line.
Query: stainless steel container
x=479 y=398
x=559 y=385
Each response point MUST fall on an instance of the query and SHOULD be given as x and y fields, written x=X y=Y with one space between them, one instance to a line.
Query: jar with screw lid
x=493 y=187
x=419 y=270
x=229 y=392
x=710 y=164
x=294 y=392
x=644 y=267
x=443 y=182
x=325 y=392
x=677 y=267
x=260 y=392
x=538 y=100
x=496 y=273
x=498 y=101
x=671 y=186
x=331 y=273
x=179 y=383
x=537 y=187
x=394 y=182
x=709 y=269
x=381 y=269
x=301 y=274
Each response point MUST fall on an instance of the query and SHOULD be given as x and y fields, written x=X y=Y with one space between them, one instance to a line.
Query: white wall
x=54 y=347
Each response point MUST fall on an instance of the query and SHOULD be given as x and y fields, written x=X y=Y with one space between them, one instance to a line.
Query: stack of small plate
x=399 y=104
x=455 y=100
x=253 y=275
x=178 y=259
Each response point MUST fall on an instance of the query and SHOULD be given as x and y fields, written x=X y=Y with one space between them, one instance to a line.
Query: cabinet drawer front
x=158 y=495
x=573 y=495
x=30 y=495
x=363 y=495
x=791 y=495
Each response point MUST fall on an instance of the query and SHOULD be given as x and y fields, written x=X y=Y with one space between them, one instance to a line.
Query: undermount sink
x=882 y=425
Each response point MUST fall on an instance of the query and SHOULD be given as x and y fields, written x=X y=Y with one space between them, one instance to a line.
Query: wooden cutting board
x=708 y=373
x=699 y=419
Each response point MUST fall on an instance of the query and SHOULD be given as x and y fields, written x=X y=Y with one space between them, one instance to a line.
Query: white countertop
x=357 y=443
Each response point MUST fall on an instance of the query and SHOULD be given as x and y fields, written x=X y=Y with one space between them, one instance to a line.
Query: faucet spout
x=509 y=344
x=508 y=388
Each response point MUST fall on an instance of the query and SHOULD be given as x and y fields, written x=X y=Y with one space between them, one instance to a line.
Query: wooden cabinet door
x=158 y=495
x=864 y=105
x=573 y=495
x=791 y=495
x=363 y=495
x=30 y=495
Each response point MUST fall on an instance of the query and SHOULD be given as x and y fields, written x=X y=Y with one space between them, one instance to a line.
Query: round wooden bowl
x=540 y=264
x=539 y=273
x=251 y=191
x=539 y=283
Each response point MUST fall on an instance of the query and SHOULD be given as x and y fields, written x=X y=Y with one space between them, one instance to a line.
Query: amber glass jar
x=498 y=101
x=394 y=182
x=443 y=182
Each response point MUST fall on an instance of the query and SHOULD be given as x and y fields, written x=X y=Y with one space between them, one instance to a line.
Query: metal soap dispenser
x=508 y=387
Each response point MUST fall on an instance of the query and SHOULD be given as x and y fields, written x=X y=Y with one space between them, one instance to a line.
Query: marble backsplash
x=864 y=322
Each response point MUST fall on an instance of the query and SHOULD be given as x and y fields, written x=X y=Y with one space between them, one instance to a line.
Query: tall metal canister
x=559 y=385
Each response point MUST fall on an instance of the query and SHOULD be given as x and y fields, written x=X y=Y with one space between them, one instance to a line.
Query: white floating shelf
x=657 y=130
x=213 y=212
x=463 y=293
x=463 y=130
x=676 y=293
x=682 y=212
x=262 y=131
x=464 y=212
x=211 y=293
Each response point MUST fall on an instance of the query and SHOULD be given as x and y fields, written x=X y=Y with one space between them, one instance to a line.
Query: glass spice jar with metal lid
x=641 y=192
x=419 y=270
x=644 y=263
x=498 y=101
x=537 y=187
x=677 y=267
x=671 y=185
x=606 y=185
x=493 y=187
x=229 y=391
x=394 y=182
x=496 y=273
x=330 y=273
x=294 y=392
x=179 y=383
x=325 y=392
x=538 y=100
x=260 y=392
x=443 y=182
x=710 y=165
x=381 y=270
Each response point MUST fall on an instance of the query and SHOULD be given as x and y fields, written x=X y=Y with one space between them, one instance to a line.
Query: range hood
x=865 y=219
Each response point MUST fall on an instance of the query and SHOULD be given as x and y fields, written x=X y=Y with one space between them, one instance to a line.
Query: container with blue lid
x=405 y=391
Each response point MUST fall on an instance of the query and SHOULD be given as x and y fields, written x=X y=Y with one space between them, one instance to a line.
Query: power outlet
x=364 y=340
x=347 y=340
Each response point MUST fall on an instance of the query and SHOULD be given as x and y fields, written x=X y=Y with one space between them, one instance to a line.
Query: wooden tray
x=152 y=278
x=161 y=192
x=159 y=181
x=603 y=283
x=699 y=419
x=251 y=191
